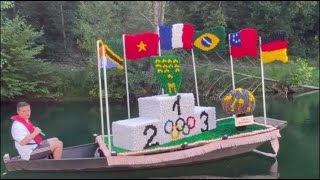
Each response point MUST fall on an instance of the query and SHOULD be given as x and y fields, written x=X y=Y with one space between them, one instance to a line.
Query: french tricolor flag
x=176 y=36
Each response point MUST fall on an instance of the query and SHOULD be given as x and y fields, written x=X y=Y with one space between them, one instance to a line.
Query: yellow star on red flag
x=141 y=46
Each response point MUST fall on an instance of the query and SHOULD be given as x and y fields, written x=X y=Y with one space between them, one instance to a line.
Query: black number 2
x=205 y=121
x=152 y=127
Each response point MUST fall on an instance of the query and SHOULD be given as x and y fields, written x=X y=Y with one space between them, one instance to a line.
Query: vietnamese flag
x=141 y=45
x=274 y=47
x=243 y=43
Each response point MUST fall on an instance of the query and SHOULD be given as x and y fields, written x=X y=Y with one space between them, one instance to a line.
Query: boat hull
x=100 y=163
x=84 y=157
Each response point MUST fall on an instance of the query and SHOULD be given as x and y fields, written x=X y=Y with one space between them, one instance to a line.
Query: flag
x=141 y=45
x=243 y=43
x=209 y=40
x=274 y=47
x=176 y=36
x=111 y=58
x=168 y=72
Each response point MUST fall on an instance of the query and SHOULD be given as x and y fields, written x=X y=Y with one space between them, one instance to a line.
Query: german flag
x=274 y=47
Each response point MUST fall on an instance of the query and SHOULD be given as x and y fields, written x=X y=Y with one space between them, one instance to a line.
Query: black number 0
x=205 y=122
x=152 y=127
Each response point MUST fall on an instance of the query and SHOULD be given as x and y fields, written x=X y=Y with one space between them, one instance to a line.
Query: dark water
x=76 y=122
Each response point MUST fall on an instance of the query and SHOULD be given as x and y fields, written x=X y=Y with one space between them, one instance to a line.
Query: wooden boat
x=84 y=157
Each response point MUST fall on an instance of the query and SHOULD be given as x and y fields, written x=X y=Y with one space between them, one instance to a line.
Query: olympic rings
x=179 y=127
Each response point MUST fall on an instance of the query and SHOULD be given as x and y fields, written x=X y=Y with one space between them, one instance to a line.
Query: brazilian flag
x=212 y=39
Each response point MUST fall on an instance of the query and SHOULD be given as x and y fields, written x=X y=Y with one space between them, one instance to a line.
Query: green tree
x=21 y=72
x=56 y=19
x=108 y=21
x=6 y=5
x=300 y=73
x=202 y=14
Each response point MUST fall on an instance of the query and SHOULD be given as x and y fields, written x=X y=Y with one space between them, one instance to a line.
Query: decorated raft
x=84 y=157
x=170 y=130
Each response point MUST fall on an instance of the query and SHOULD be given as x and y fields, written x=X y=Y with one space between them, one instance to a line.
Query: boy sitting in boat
x=29 y=144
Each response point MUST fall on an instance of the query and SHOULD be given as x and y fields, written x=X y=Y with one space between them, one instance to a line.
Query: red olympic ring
x=194 y=122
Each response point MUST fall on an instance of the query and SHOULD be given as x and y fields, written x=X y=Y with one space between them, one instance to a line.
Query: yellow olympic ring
x=178 y=128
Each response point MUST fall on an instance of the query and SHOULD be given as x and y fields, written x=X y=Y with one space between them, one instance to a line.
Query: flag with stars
x=243 y=43
x=212 y=39
x=141 y=45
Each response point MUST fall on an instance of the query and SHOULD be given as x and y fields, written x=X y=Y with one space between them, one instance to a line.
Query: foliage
x=300 y=19
x=300 y=73
x=201 y=14
x=108 y=21
x=6 y=5
x=85 y=22
x=21 y=72
x=47 y=16
x=73 y=82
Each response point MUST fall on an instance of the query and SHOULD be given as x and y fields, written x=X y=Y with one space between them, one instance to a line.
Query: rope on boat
x=264 y=153
x=275 y=147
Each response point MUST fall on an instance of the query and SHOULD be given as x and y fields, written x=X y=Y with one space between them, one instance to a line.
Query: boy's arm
x=22 y=135
x=27 y=139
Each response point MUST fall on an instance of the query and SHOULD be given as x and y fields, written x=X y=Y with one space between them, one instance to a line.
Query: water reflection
x=76 y=122
x=248 y=166
x=273 y=174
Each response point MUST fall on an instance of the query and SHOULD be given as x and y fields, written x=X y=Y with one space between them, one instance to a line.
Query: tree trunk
x=155 y=5
x=14 y=8
x=63 y=27
x=158 y=17
x=162 y=11
x=158 y=13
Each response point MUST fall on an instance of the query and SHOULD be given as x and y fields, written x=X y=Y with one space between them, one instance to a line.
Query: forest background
x=48 y=48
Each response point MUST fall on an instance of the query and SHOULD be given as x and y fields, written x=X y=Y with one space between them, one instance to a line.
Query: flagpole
x=126 y=74
x=106 y=97
x=162 y=90
x=231 y=62
x=195 y=76
x=263 y=91
x=100 y=89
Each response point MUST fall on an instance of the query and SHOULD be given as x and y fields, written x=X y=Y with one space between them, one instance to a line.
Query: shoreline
x=82 y=99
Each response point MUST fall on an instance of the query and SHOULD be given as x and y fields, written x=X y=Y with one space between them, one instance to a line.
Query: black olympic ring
x=165 y=126
x=184 y=124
